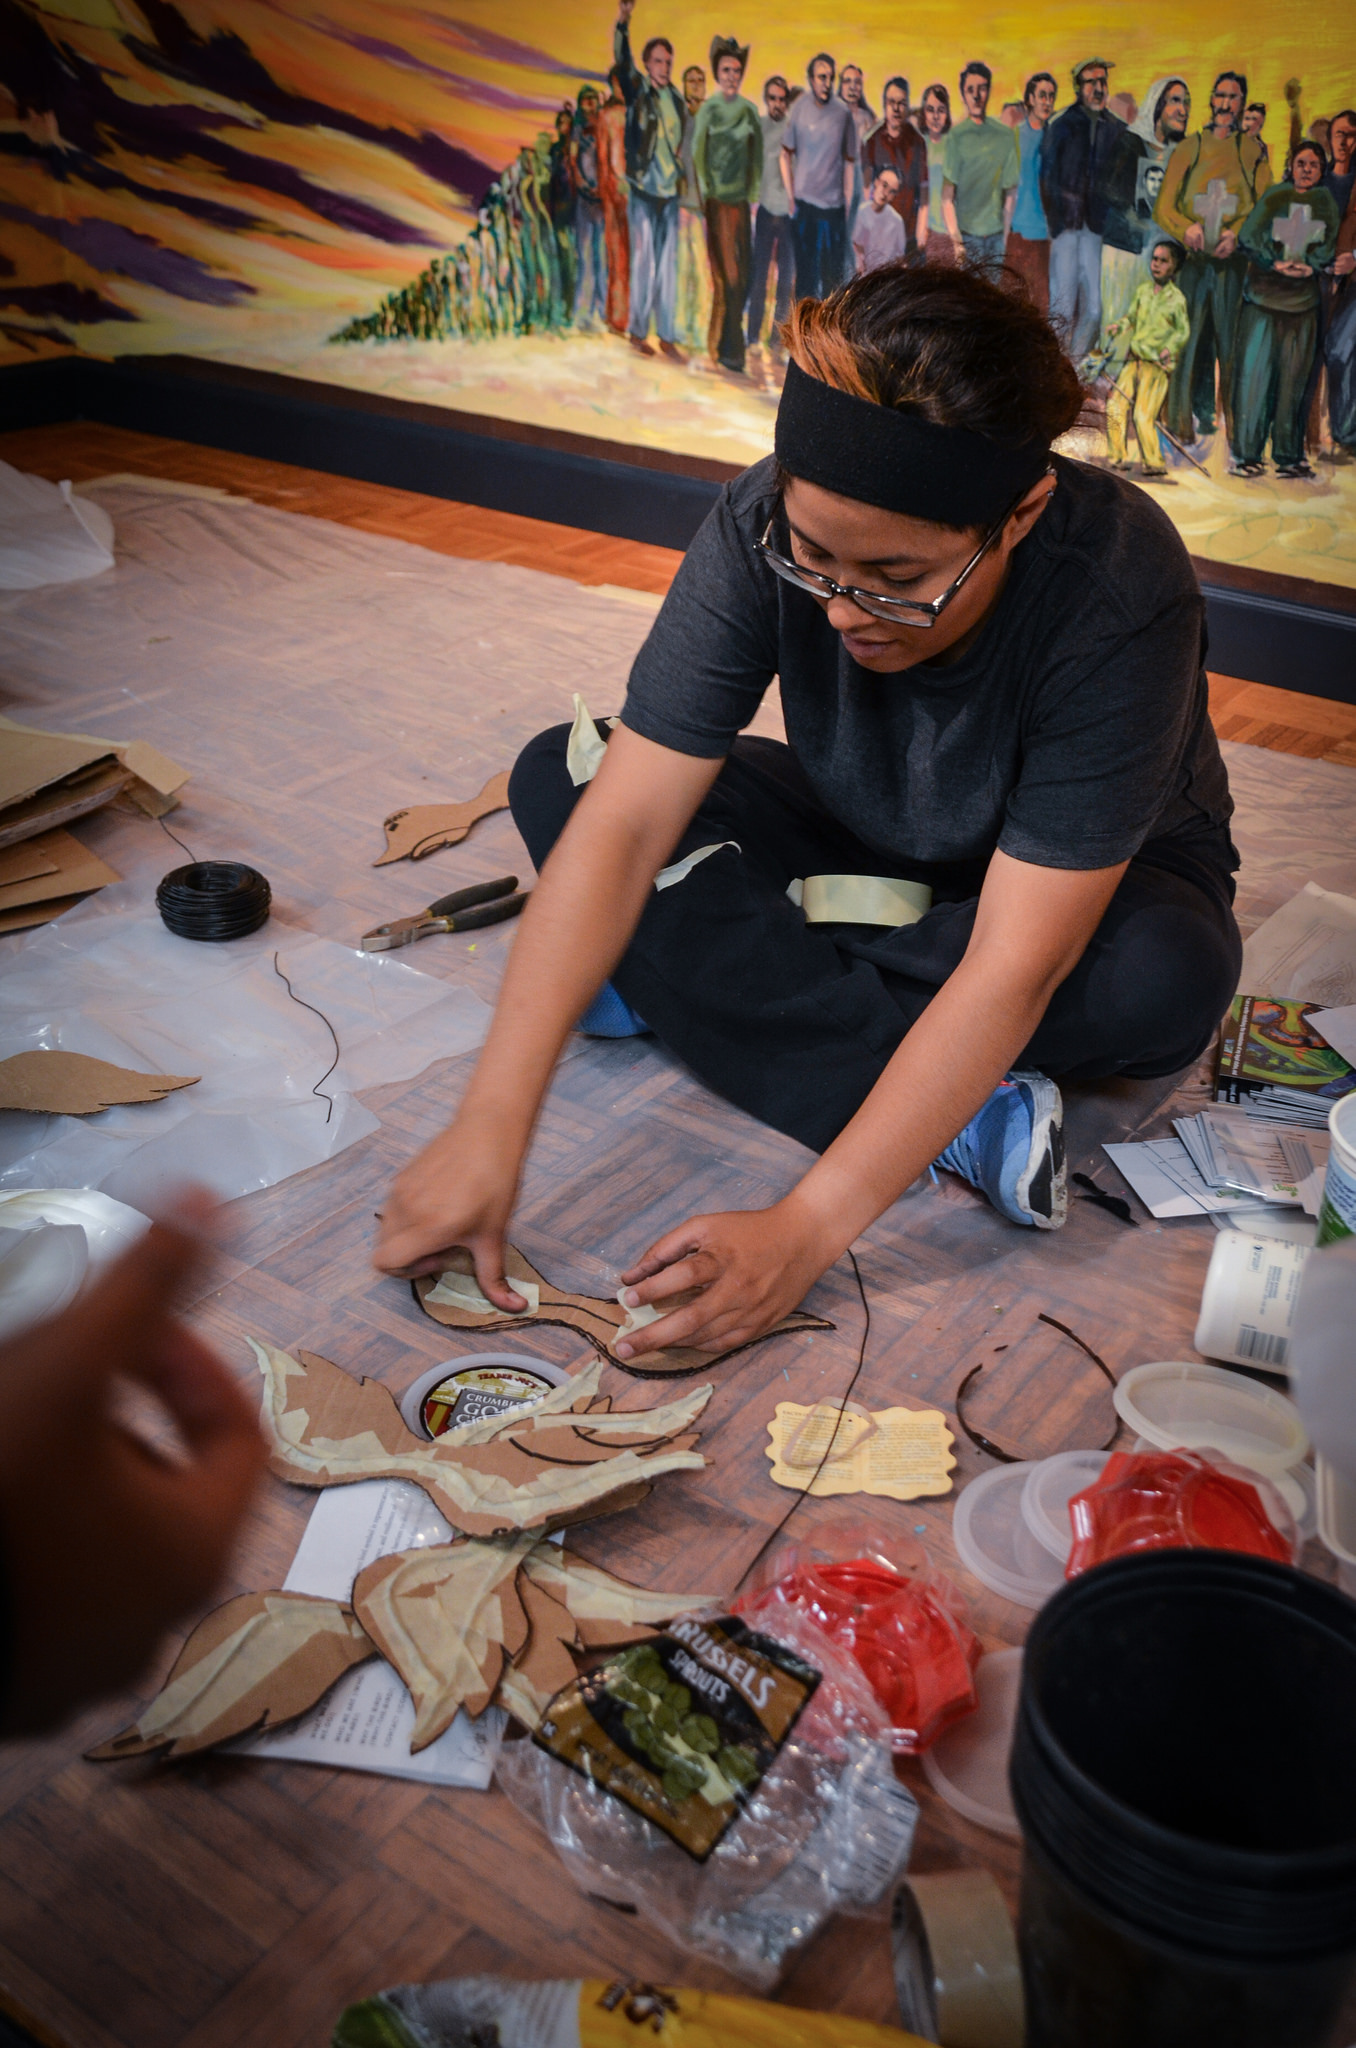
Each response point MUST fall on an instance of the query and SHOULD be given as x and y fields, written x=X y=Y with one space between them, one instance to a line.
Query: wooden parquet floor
x=1285 y=721
x=241 y=1904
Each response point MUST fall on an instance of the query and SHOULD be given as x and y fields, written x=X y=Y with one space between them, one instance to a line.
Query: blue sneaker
x=611 y=1016
x=1012 y=1150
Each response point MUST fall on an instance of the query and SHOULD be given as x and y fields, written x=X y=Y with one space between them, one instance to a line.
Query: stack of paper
x=1224 y=1160
x=46 y=780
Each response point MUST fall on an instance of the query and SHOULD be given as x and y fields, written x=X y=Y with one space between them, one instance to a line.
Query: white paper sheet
x=1339 y=1028
x=1162 y=1175
x=364 y=1723
x=1306 y=951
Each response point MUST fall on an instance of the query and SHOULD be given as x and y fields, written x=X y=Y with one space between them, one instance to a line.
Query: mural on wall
x=593 y=215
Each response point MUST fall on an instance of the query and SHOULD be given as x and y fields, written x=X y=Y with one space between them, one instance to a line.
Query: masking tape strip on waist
x=860 y=899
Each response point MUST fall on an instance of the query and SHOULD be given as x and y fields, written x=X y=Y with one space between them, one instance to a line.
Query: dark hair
x=945 y=344
x=822 y=57
x=1255 y=107
x=776 y=79
x=1239 y=78
x=943 y=95
x=1342 y=114
x=1162 y=99
x=974 y=69
x=1037 y=78
x=1177 y=251
x=903 y=85
x=655 y=43
x=1309 y=148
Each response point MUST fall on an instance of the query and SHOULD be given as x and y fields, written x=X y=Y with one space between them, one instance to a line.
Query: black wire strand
x=319 y=1088
x=809 y=1488
x=177 y=840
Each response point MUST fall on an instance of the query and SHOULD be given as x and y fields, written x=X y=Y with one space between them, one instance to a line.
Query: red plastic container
x=1177 y=1500
x=906 y=1629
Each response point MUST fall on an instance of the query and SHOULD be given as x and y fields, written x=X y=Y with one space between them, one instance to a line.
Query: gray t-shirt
x=772 y=197
x=821 y=141
x=1073 y=730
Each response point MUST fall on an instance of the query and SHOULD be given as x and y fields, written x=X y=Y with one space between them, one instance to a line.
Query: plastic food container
x=995 y=1542
x=1248 y=1303
x=1180 y=1405
x=1050 y=1485
x=473 y=1389
x=968 y=1765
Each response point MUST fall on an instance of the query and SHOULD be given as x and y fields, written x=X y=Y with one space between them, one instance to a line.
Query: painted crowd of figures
x=1203 y=288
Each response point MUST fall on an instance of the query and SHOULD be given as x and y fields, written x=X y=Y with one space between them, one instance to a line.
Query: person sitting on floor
x=991 y=674
x=1158 y=327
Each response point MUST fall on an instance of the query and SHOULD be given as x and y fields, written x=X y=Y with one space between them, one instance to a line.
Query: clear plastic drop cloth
x=47 y=534
x=114 y=983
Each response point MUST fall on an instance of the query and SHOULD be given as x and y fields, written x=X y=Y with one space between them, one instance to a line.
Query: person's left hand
x=753 y=1266
x=1227 y=243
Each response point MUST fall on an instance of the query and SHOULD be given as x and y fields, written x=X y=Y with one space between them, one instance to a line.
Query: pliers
x=465 y=910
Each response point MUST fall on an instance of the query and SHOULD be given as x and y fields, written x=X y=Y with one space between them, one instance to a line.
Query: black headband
x=895 y=459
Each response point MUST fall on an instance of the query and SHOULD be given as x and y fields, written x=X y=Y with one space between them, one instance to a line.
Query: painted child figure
x=1158 y=327
x=879 y=235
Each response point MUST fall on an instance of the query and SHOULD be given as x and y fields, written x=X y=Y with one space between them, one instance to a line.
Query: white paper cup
x=1337 y=1210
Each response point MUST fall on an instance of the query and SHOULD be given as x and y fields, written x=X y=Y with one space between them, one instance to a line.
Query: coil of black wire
x=214 y=900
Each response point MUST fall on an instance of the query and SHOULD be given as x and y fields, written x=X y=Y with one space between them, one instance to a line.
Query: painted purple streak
x=473 y=89
x=64 y=301
x=107 y=246
x=482 y=42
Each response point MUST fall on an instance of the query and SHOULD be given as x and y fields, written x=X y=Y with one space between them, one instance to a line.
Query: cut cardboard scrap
x=603 y=1322
x=47 y=778
x=66 y=868
x=545 y=1665
x=446 y=1618
x=903 y=1455
x=257 y=1661
x=565 y=1458
x=58 y=1083
x=413 y=834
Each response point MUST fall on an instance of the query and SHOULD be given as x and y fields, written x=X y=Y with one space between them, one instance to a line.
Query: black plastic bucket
x=1184 y=1770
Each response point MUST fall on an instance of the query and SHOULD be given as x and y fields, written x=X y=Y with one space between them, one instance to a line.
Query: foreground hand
x=105 y=1544
x=753 y=1266
x=458 y=1192
x=1226 y=244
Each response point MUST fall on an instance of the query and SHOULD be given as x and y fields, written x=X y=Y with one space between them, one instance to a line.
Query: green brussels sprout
x=668 y=1718
x=739 y=1765
x=700 y=1732
x=682 y=1779
x=679 y=1698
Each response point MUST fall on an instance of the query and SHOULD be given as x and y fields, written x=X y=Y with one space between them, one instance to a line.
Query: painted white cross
x=1296 y=231
x=1210 y=208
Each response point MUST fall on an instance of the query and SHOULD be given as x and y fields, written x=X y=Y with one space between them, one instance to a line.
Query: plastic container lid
x=968 y=1765
x=994 y=1542
x=1179 y=1405
x=1336 y=1511
x=1050 y=1485
x=41 y=1275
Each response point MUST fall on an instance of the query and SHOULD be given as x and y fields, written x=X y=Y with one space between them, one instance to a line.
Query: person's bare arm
x=754 y=1266
x=1009 y=203
x=788 y=161
x=460 y=1190
x=949 y=216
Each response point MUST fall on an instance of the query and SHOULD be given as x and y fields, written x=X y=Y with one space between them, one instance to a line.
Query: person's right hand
x=1195 y=239
x=458 y=1192
x=625 y=9
x=104 y=1543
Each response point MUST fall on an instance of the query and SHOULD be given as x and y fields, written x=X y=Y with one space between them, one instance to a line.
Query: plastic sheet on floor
x=119 y=986
x=47 y=535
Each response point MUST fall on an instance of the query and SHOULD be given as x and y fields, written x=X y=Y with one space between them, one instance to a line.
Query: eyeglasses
x=907 y=611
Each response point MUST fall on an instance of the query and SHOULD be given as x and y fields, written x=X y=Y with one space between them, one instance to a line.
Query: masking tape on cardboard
x=860 y=899
x=955 y=1947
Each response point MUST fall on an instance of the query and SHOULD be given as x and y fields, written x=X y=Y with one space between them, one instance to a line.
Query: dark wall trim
x=1281 y=630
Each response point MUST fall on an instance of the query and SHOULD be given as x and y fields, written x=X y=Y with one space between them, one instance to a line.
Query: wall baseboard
x=1285 y=631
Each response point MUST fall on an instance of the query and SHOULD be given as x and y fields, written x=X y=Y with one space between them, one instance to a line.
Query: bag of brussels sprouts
x=734 y=1785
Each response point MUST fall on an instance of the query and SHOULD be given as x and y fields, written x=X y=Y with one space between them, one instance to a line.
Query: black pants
x=795 y=1022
